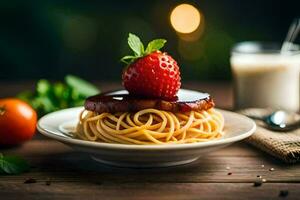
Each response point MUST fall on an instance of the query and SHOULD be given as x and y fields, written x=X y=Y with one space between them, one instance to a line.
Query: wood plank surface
x=51 y=159
x=147 y=191
x=230 y=173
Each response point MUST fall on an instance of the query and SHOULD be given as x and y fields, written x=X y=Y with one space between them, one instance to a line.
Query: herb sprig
x=138 y=49
x=49 y=97
x=13 y=165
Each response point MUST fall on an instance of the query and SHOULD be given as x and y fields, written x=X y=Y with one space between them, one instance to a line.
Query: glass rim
x=259 y=47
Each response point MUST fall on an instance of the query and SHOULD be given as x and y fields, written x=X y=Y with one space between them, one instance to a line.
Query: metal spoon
x=280 y=120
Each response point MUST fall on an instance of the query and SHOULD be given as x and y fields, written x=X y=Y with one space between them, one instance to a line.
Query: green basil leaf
x=155 y=45
x=25 y=96
x=79 y=102
x=83 y=87
x=58 y=89
x=135 y=44
x=45 y=103
x=13 y=165
x=49 y=97
x=43 y=87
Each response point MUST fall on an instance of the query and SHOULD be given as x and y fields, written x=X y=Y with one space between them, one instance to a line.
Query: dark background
x=52 y=38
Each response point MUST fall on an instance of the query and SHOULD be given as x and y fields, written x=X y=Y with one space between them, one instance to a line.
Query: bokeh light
x=185 y=18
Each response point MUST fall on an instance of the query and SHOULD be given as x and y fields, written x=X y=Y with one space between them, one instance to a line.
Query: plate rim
x=110 y=146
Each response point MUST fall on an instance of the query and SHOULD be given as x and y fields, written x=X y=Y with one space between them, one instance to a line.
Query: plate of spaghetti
x=152 y=123
x=150 y=137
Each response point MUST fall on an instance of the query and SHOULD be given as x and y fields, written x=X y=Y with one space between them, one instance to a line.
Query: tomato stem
x=2 y=110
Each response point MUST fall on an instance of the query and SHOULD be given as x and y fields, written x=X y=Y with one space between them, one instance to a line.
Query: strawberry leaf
x=12 y=165
x=155 y=45
x=135 y=44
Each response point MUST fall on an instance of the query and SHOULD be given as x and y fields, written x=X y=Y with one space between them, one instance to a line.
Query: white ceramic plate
x=58 y=125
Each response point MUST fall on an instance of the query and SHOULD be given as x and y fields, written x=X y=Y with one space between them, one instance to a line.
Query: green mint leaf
x=49 y=97
x=135 y=44
x=13 y=165
x=78 y=102
x=25 y=96
x=45 y=103
x=43 y=87
x=155 y=45
x=128 y=59
x=83 y=87
x=58 y=89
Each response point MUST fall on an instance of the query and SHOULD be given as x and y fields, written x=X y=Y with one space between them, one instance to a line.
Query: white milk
x=266 y=80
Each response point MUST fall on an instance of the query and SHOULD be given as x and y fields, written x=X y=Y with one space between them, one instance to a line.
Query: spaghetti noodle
x=150 y=126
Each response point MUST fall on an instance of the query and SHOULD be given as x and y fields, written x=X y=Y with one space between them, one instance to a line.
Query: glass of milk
x=264 y=78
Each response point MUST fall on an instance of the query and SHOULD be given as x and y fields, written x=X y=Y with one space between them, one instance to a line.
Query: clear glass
x=265 y=78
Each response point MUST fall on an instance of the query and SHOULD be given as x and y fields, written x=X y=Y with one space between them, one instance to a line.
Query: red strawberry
x=150 y=73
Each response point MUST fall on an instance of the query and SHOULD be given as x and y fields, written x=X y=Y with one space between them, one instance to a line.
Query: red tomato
x=17 y=121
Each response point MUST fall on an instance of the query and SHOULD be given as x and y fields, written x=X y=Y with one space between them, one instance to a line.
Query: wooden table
x=230 y=173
